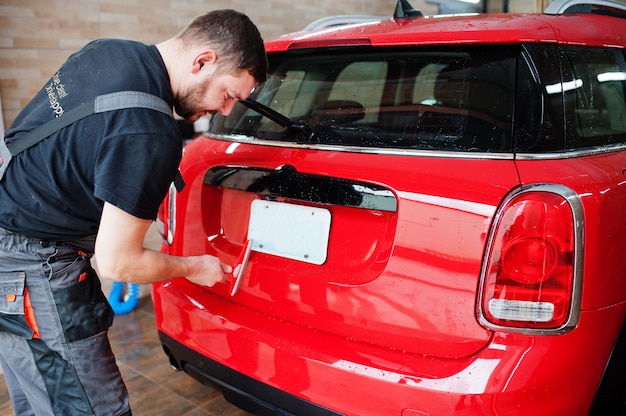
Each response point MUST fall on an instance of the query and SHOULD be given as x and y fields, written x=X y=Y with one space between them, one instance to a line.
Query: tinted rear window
x=435 y=99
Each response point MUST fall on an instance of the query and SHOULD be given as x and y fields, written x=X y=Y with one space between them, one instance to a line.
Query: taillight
x=531 y=273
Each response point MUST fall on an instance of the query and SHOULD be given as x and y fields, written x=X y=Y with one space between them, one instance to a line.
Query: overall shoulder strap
x=102 y=103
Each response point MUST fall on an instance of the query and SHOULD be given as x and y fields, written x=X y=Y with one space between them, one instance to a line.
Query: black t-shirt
x=55 y=189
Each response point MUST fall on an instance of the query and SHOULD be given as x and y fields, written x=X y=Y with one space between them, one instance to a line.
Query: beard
x=187 y=102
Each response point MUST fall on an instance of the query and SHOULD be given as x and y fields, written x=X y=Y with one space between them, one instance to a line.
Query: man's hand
x=210 y=270
x=121 y=256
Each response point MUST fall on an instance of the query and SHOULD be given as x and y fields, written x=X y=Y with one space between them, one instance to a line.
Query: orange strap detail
x=30 y=314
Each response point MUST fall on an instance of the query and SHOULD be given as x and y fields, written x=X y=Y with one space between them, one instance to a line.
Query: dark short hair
x=235 y=38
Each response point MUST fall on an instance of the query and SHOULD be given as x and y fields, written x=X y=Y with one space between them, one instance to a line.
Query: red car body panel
x=496 y=380
x=390 y=323
x=447 y=348
x=442 y=30
x=424 y=266
x=600 y=181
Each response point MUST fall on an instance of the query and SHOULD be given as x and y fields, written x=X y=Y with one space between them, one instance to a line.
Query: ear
x=206 y=57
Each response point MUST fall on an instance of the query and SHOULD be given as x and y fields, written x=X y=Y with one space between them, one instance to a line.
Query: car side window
x=594 y=81
x=539 y=103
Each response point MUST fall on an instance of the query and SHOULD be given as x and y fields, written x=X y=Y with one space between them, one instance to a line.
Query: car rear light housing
x=531 y=276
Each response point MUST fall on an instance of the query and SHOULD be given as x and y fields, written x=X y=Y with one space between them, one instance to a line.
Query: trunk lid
x=401 y=243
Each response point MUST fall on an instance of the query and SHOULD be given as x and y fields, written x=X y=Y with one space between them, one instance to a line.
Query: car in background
x=426 y=215
x=341 y=20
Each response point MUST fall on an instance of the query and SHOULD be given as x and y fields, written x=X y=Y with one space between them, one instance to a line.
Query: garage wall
x=36 y=36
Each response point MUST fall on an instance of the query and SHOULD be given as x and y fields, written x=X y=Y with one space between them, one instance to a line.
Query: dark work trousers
x=54 y=318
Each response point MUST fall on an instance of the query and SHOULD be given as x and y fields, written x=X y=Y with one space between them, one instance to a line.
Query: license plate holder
x=296 y=232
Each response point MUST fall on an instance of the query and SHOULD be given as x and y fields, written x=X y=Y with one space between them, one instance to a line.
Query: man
x=97 y=183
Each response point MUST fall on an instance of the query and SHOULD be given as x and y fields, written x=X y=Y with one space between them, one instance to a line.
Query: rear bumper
x=239 y=389
x=271 y=364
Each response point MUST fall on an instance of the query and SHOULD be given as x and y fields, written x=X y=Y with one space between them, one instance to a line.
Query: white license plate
x=292 y=231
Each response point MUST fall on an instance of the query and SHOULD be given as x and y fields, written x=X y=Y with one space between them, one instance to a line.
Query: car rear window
x=562 y=98
x=458 y=99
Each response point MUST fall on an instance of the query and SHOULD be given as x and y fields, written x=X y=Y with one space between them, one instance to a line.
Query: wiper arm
x=278 y=118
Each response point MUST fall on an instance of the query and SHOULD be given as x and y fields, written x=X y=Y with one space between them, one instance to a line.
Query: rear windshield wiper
x=283 y=121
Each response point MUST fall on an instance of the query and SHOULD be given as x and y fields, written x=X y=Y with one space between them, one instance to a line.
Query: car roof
x=582 y=29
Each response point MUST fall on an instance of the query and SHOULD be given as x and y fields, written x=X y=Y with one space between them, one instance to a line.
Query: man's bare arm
x=121 y=256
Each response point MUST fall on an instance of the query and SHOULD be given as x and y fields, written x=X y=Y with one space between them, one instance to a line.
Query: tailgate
x=384 y=249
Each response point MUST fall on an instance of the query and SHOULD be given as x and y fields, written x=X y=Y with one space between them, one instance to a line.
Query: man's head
x=233 y=36
x=222 y=59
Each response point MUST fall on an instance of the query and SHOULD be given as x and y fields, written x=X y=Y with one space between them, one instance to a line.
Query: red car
x=428 y=217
